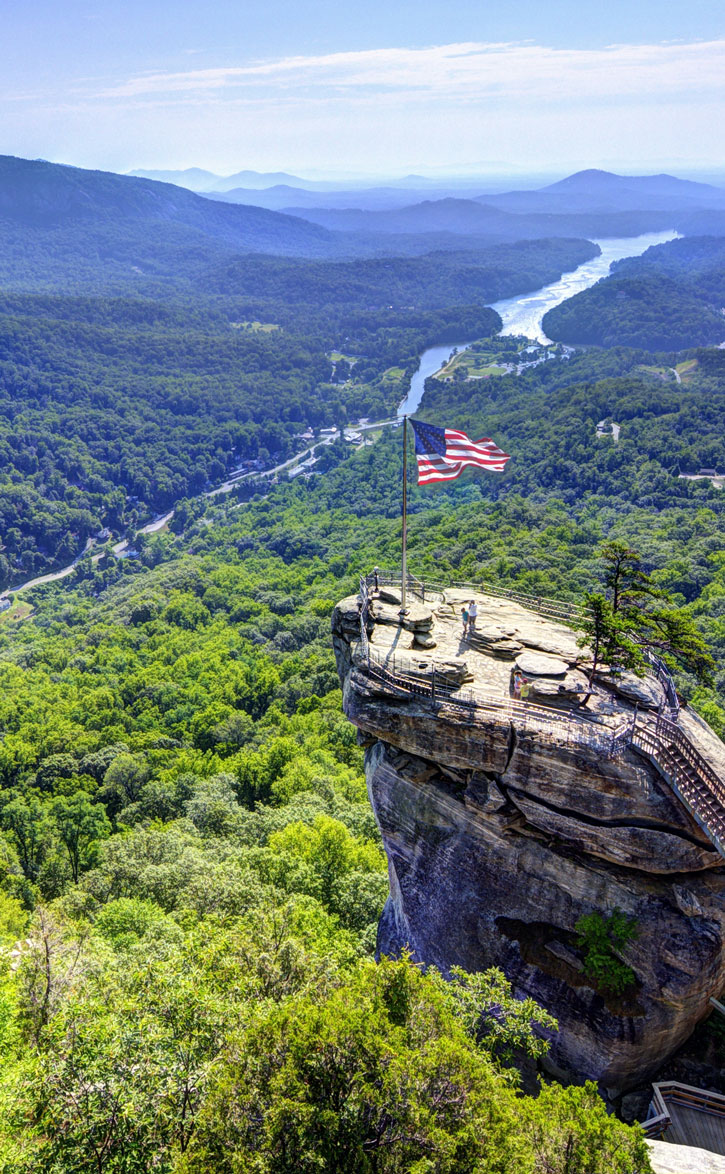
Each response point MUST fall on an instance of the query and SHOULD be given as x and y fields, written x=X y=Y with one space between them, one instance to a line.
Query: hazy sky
x=379 y=86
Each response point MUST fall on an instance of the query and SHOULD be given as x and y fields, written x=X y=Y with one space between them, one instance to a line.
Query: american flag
x=443 y=453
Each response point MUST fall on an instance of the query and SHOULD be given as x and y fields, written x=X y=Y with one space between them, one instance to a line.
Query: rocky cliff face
x=501 y=834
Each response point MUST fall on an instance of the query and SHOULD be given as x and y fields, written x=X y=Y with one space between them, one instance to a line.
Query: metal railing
x=662 y=673
x=364 y=615
x=397 y=677
x=671 y=1092
x=698 y=787
x=560 y=610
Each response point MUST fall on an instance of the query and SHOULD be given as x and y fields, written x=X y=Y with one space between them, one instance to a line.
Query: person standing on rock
x=518 y=682
x=464 y=615
x=472 y=616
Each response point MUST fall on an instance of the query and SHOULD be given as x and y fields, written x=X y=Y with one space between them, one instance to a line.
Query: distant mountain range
x=588 y=202
x=283 y=196
x=602 y=191
x=59 y=221
x=471 y=218
x=198 y=180
x=39 y=193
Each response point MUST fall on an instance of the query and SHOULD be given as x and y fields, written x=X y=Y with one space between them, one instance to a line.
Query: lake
x=523 y=314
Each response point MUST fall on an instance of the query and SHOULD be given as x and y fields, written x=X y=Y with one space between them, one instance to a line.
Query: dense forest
x=195 y=873
x=102 y=397
x=670 y=298
x=190 y=872
x=186 y=835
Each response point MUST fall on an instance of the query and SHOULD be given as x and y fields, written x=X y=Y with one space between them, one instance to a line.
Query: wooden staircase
x=693 y=780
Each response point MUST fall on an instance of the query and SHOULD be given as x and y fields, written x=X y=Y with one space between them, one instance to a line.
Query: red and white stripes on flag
x=443 y=453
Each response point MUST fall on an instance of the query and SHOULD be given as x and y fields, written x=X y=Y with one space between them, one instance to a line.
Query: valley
x=201 y=857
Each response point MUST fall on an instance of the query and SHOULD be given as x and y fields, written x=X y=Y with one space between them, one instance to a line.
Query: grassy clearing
x=257 y=327
x=663 y=373
x=392 y=375
x=687 y=369
x=20 y=610
x=472 y=365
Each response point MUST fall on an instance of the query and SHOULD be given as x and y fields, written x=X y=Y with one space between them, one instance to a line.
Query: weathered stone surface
x=561 y=692
x=390 y=595
x=417 y=615
x=473 y=884
x=525 y=626
x=643 y=691
x=541 y=664
x=667 y=1158
x=501 y=836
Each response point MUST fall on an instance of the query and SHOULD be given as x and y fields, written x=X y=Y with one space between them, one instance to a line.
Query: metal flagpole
x=404 y=569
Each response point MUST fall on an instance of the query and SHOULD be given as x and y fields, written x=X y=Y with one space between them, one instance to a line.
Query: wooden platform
x=684 y=1115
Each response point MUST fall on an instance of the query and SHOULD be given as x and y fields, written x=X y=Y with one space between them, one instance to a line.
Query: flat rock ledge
x=667 y=1158
x=500 y=837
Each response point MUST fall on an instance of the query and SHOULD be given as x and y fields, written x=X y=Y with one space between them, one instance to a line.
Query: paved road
x=236 y=478
x=119 y=548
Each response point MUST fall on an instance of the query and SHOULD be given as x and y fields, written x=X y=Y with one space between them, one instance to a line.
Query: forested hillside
x=63 y=228
x=190 y=872
x=672 y=297
x=179 y=784
x=187 y=700
x=450 y=278
x=179 y=781
x=114 y=407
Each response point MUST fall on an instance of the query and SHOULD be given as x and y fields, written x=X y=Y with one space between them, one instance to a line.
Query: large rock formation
x=501 y=833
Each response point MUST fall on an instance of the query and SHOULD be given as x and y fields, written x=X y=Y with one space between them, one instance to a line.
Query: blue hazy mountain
x=281 y=197
x=597 y=191
x=66 y=219
x=592 y=202
x=198 y=180
x=472 y=219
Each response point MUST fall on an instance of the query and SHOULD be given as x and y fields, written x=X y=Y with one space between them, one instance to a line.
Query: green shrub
x=600 y=937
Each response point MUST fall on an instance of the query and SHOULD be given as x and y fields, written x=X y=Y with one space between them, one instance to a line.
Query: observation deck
x=520 y=665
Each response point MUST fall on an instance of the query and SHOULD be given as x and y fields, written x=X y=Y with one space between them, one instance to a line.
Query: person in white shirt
x=472 y=614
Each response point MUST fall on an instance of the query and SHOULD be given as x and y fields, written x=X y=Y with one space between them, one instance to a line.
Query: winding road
x=158 y=523
x=521 y=315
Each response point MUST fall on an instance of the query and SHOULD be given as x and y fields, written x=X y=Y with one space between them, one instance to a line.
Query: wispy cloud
x=468 y=71
x=387 y=109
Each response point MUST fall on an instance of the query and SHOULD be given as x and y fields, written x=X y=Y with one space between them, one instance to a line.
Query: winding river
x=520 y=315
x=524 y=313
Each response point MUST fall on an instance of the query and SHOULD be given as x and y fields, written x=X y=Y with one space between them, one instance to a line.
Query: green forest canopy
x=670 y=298
x=184 y=820
x=115 y=406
